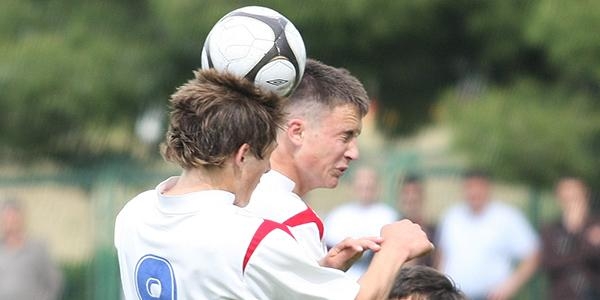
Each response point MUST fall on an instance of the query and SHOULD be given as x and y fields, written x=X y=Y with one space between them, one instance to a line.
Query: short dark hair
x=477 y=173
x=424 y=283
x=329 y=86
x=214 y=114
x=411 y=178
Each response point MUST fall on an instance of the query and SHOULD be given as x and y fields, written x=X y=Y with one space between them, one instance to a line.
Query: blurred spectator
x=362 y=218
x=26 y=270
x=421 y=282
x=480 y=239
x=571 y=245
x=410 y=203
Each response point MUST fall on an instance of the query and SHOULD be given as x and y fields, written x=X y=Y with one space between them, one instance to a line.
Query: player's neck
x=195 y=180
x=282 y=162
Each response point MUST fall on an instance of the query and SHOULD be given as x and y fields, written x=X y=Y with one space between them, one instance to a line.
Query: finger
x=368 y=244
x=362 y=244
x=374 y=239
x=358 y=248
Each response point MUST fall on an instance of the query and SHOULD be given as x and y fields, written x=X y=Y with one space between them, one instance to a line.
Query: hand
x=348 y=251
x=406 y=237
x=593 y=236
x=505 y=291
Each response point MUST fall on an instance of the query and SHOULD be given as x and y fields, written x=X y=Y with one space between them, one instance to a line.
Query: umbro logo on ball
x=277 y=82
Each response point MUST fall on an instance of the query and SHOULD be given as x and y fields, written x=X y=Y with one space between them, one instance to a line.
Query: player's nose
x=352 y=153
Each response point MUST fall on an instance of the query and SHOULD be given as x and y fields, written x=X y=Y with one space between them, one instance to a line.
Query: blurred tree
x=528 y=133
x=70 y=69
x=75 y=75
x=537 y=129
x=564 y=31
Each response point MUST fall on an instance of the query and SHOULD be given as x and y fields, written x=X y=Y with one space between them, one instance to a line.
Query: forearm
x=525 y=270
x=377 y=282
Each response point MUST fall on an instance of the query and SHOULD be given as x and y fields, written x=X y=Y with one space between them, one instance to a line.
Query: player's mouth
x=340 y=171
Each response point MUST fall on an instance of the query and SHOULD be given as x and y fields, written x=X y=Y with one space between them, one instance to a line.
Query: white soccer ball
x=260 y=44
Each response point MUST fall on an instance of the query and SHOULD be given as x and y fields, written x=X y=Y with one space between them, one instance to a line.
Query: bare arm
x=348 y=251
x=402 y=241
x=520 y=276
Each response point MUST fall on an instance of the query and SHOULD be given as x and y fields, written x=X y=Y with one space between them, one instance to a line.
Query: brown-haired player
x=189 y=238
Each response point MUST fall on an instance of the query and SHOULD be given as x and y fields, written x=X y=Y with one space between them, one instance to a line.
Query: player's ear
x=295 y=131
x=241 y=154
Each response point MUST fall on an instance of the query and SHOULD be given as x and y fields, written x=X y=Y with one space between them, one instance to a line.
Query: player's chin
x=332 y=182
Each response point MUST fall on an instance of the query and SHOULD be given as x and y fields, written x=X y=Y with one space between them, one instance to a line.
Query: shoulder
x=278 y=205
x=38 y=246
x=141 y=200
x=259 y=239
x=385 y=209
x=506 y=210
x=455 y=217
x=136 y=206
x=455 y=211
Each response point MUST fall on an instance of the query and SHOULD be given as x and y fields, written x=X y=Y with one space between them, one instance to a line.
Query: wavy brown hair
x=214 y=114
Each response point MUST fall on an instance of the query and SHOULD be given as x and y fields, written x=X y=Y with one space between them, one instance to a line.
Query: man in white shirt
x=480 y=239
x=190 y=239
x=315 y=148
x=360 y=218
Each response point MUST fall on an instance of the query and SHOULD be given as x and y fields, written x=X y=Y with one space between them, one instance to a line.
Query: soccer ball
x=260 y=44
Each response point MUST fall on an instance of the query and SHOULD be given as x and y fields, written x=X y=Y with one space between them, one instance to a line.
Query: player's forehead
x=344 y=117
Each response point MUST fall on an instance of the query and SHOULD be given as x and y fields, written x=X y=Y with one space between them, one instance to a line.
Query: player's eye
x=347 y=136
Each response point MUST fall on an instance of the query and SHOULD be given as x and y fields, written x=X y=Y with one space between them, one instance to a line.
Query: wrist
x=396 y=256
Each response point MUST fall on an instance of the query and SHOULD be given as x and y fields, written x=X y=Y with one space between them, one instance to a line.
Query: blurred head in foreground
x=424 y=283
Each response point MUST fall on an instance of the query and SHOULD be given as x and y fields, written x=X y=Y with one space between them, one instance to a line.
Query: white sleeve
x=523 y=240
x=280 y=269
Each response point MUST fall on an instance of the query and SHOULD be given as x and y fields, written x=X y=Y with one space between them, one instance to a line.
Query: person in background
x=26 y=270
x=411 y=204
x=480 y=239
x=424 y=283
x=361 y=218
x=571 y=245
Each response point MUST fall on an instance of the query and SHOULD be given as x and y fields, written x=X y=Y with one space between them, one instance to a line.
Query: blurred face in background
x=366 y=186
x=410 y=201
x=12 y=221
x=477 y=192
x=572 y=195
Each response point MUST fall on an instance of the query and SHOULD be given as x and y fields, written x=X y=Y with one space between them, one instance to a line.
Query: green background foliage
x=75 y=75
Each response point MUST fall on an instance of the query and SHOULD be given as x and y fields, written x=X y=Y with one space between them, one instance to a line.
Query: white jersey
x=201 y=246
x=479 y=250
x=274 y=199
x=357 y=220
